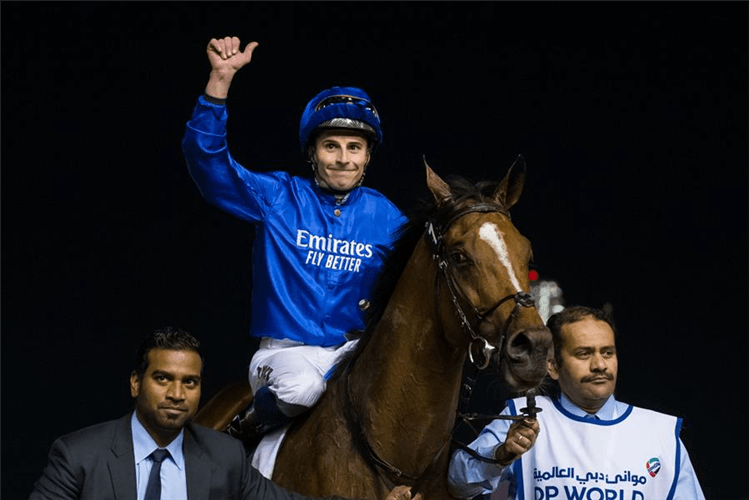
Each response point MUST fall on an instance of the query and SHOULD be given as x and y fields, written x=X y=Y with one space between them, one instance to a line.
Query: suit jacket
x=98 y=463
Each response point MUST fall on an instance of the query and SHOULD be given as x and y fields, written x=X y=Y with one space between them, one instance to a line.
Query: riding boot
x=247 y=425
x=262 y=416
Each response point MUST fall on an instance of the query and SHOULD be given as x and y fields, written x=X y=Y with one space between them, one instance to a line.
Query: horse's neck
x=406 y=382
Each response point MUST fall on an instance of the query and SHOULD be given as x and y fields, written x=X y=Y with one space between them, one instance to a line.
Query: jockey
x=320 y=240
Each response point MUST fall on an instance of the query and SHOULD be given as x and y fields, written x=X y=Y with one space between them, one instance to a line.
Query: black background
x=632 y=118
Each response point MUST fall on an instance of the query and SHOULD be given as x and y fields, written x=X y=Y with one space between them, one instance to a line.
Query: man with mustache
x=155 y=452
x=592 y=446
x=319 y=242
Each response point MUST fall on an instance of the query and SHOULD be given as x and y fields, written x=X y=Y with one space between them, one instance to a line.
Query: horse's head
x=484 y=290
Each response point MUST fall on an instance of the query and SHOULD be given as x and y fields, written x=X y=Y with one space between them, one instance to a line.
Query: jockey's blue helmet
x=340 y=108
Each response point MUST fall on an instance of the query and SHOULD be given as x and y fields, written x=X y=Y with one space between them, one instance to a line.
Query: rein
x=393 y=474
x=435 y=237
x=530 y=411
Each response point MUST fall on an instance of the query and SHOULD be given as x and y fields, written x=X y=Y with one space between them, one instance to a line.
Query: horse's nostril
x=525 y=345
x=519 y=345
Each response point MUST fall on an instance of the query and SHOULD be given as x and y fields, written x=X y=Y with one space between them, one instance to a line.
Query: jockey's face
x=588 y=366
x=167 y=396
x=341 y=157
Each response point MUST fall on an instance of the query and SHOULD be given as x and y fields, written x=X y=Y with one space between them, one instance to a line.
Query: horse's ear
x=439 y=188
x=511 y=187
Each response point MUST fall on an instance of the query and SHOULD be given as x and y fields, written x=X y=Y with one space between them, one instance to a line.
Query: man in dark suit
x=120 y=459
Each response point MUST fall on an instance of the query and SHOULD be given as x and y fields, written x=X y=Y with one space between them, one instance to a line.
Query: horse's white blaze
x=493 y=237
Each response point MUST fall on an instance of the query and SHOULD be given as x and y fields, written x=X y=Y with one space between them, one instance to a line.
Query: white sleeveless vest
x=575 y=458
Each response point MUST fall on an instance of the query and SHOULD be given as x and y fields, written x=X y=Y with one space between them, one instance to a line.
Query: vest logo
x=653 y=466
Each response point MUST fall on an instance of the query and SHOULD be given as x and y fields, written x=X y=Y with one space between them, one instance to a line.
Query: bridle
x=435 y=238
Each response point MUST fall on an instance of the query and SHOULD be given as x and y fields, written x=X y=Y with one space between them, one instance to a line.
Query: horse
x=454 y=287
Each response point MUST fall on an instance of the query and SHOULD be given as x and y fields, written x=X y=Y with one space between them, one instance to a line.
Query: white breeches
x=294 y=372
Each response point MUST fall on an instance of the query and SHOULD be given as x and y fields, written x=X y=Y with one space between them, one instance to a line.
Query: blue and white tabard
x=577 y=458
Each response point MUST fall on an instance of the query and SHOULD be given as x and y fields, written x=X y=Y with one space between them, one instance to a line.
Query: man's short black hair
x=573 y=315
x=171 y=338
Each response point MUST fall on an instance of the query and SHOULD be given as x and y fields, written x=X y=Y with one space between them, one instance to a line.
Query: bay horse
x=455 y=285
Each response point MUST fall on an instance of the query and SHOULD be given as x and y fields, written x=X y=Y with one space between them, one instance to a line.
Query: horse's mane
x=462 y=191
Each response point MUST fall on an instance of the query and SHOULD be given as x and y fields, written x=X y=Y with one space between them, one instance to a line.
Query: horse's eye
x=459 y=258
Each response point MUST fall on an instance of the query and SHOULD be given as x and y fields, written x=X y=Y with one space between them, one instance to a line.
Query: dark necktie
x=153 y=490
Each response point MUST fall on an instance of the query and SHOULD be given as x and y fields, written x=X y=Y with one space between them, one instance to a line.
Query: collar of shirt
x=610 y=410
x=144 y=445
x=328 y=198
